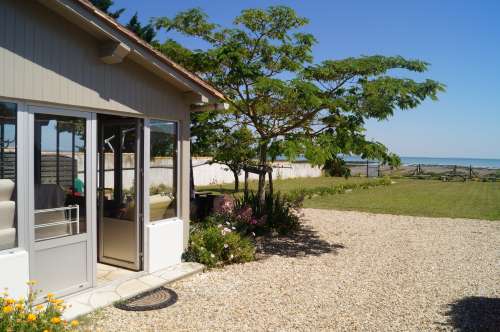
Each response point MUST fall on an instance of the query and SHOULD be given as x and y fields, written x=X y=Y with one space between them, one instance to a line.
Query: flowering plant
x=236 y=217
x=218 y=245
x=24 y=315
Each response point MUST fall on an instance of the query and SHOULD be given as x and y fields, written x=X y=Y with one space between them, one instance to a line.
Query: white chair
x=7 y=215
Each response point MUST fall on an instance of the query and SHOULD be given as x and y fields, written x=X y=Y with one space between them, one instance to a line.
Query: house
x=94 y=148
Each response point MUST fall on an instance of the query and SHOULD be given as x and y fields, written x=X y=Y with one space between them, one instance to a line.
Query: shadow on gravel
x=475 y=314
x=304 y=242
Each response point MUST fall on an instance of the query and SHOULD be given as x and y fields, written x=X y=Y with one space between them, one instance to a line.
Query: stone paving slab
x=98 y=297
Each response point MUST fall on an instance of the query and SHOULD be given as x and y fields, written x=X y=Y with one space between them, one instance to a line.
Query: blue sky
x=461 y=40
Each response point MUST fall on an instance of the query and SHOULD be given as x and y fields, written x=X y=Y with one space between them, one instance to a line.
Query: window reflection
x=59 y=165
x=163 y=170
x=8 y=157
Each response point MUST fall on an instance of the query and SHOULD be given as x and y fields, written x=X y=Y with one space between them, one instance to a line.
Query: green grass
x=477 y=200
x=286 y=185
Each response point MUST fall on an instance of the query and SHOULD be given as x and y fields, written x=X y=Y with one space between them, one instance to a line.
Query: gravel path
x=346 y=271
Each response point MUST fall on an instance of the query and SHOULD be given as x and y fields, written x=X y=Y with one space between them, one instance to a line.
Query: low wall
x=205 y=174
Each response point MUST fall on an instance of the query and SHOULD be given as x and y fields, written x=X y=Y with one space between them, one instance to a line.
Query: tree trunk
x=236 y=181
x=271 y=183
x=261 y=191
x=246 y=183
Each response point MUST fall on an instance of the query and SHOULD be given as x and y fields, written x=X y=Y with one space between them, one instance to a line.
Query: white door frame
x=90 y=194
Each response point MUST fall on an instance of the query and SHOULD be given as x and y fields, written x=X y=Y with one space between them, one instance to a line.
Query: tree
x=206 y=128
x=105 y=5
x=264 y=65
x=235 y=149
x=146 y=33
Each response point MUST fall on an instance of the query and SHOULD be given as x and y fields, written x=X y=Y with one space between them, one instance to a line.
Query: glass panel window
x=163 y=170
x=8 y=158
x=60 y=170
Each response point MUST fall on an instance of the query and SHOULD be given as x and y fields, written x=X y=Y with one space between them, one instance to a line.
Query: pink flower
x=223 y=204
x=245 y=214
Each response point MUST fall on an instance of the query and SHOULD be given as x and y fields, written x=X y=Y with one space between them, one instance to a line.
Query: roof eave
x=107 y=29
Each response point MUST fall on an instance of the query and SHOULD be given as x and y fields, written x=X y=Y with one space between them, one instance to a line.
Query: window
x=59 y=176
x=163 y=170
x=8 y=158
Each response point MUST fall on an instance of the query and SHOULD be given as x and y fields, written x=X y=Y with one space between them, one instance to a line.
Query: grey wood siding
x=45 y=58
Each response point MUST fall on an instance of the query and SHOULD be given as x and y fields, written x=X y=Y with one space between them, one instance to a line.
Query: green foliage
x=146 y=32
x=206 y=130
x=320 y=111
x=336 y=167
x=279 y=213
x=215 y=246
x=235 y=149
x=23 y=315
x=161 y=189
x=338 y=189
x=105 y=5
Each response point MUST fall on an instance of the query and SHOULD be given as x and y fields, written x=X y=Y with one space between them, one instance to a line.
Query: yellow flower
x=10 y=301
x=55 y=320
x=74 y=323
x=39 y=307
x=19 y=306
x=59 y=301
x=7 y=309
x=31 y=282
x=50 y=295
x=45 y=330
x=31 y=318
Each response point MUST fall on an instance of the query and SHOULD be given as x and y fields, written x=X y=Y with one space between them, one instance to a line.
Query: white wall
x=165 y=244
x=205 y=174
x=14 y=272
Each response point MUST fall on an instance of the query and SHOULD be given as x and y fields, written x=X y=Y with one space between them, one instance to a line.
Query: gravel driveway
x=345 y=271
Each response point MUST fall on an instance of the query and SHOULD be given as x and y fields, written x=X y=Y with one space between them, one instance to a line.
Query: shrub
x=218 y=245
x=337 y=189
x=24 y=315
x=279 y=213
x=336 y=167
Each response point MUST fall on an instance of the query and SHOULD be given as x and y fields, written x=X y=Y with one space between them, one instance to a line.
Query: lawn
x=286 y=185
x=477 y=200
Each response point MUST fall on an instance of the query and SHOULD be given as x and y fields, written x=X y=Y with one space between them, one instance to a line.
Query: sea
x=474 y=162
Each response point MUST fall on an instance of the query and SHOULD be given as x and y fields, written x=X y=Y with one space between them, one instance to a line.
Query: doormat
x=155 y=299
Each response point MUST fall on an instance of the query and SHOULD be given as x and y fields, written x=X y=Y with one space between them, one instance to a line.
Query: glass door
x=119 y=208
x=61 y=222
